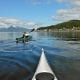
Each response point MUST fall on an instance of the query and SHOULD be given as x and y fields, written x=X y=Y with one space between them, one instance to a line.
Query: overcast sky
x=47 y=12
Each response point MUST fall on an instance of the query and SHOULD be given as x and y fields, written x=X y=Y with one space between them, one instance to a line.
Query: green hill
x=72 y=24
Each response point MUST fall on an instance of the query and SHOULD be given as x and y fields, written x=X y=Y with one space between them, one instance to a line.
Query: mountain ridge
x=14 y=29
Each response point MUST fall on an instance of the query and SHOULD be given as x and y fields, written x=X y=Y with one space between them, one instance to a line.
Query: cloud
x=70 y=2
x=6 y=22
x=75 y=2
x=72 y=12
x=67 y=14
x=40 y=2
x=60 y=1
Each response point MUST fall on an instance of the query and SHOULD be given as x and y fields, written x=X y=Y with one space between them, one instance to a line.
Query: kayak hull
x=25 y=39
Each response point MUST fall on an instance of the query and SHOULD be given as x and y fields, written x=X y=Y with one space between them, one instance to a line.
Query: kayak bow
x=43 y=71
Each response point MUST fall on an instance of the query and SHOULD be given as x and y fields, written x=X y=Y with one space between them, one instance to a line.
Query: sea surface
x=18 y=61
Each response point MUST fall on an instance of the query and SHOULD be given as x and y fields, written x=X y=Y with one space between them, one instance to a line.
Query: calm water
x=18 y=61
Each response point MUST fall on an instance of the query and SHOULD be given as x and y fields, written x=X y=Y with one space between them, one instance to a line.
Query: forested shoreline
x=65 y=26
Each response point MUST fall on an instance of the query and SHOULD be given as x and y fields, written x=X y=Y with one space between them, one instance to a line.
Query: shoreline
x=68 y=30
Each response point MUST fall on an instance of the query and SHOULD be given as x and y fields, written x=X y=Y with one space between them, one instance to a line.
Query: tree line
x=72 y=24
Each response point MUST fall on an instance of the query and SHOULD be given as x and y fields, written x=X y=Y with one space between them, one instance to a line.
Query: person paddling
x=25 y=35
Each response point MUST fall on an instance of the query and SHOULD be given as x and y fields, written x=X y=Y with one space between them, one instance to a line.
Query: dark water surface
x=18 y=61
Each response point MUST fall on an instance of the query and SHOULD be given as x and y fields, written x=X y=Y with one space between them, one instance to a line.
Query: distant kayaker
x=25 y=38
x=25 y=34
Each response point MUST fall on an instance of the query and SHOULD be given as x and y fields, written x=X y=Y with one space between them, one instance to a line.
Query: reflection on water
x=9 y=35
x=18 y=61
x=68 y=36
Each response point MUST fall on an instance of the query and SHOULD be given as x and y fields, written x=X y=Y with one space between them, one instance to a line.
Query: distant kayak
x=43 y=71
x=23 y=39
